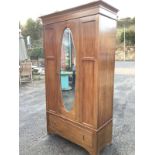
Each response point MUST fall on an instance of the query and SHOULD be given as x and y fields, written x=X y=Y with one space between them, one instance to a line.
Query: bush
x=36 y=53
x=129 y=37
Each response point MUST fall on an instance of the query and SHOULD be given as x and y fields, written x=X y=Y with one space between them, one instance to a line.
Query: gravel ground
x=33 y=139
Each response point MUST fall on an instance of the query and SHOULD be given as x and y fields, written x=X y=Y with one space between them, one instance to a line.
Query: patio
x=32 y=133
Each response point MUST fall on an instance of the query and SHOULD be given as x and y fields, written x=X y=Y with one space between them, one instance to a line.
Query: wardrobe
x=79 y=49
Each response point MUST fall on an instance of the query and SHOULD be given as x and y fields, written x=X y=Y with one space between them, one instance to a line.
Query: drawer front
x=70 y=131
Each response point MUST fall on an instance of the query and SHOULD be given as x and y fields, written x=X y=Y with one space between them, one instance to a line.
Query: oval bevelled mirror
x=68 y=69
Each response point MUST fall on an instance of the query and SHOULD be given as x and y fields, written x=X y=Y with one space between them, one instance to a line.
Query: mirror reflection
x=68 y=69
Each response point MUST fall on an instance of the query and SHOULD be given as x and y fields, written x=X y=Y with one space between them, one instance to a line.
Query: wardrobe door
x=51 y=67
x=68 y=36
x=88 y=70
x=74 y=25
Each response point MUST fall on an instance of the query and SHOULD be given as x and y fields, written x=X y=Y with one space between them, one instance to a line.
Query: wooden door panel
x=50 y=41
x=50 y=67
x=51 y=86
x=88 y=70
x=88 y=41
x=73 y=25
x=88 y=92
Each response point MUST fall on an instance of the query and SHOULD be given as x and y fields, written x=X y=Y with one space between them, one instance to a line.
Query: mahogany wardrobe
x=79 y=47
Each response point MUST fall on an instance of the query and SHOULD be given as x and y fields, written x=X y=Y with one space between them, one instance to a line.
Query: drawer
x=70 y=131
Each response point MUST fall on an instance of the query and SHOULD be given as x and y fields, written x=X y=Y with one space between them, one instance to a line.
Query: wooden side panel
x=88 y=68
x=88 y=38
x=106 y=57
x=51 y=86
x=88 y=91
x=49 y=41
x=50 y=67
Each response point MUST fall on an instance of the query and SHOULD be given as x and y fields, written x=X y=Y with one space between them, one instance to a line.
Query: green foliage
x=33 y=29
x=129 y=37
x=127 y=22
x=36 y=53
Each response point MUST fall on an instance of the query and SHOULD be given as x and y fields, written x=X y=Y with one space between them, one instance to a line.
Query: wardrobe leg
x=96 y=152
